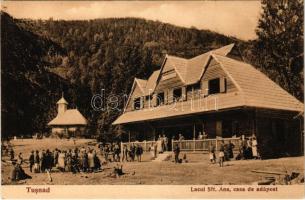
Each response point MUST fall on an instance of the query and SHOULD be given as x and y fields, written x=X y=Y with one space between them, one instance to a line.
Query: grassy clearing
x=197 y=171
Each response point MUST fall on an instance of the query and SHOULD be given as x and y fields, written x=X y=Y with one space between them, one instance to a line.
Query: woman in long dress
x=254 y=148
x=91 y=160
x=61 y=160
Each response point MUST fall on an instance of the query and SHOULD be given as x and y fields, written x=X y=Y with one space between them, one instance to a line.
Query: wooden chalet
x=68 y=122
x=218 y=94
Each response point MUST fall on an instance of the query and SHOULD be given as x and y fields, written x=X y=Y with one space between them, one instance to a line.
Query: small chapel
x=68 y=122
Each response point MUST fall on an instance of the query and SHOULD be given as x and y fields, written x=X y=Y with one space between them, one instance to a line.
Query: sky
x=233 y=18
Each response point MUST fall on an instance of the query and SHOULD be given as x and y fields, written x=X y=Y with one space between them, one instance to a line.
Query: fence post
x=216 y=149
x=194 y=149
x=145 y=144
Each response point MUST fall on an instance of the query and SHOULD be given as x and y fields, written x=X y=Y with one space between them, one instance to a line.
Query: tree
x=279 y=48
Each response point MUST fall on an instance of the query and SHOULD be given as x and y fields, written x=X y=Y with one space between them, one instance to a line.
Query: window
x=137 y=103
x=148 y=97
x=197 y=86
x=177 y=94
x=160 y=99
x=214 y=86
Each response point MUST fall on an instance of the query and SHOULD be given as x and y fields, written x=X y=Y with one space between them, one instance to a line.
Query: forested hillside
x=42 y=58
x=28 y=89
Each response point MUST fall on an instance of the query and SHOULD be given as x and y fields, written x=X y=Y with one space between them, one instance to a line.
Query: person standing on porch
x=205 y=136
x=254 y=148
x=181 y=137
x=221 y=154
x=200 y=136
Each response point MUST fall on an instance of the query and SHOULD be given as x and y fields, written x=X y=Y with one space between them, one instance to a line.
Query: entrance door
x=219 y=128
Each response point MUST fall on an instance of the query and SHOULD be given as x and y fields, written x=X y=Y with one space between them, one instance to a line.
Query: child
x=212 y=154
x=221 y=154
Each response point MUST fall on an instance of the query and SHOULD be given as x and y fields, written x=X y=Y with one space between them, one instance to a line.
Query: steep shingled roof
x=141 y=83
x=69 y=117
x=151 y=82
x=190 y=70
x=255 y=89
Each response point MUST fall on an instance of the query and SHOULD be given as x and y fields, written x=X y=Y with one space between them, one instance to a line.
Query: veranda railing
x=188 y=145
x=204 y=144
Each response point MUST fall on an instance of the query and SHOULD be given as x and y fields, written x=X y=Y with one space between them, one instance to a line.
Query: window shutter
x=222 y=84
x=184 y=93
x=205 y=88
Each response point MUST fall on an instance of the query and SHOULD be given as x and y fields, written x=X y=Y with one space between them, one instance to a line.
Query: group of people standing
x=77 y=160
x=134 y=152
x=247 y=150
x=129 y=153
x=111 y=149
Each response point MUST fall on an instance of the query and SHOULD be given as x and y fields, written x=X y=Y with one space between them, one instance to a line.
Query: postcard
x=152 y=99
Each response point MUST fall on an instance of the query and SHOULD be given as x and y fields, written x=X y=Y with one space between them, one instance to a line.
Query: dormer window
x=217 y=85
x=214 y=86
x=137 y=103
x=160 y=99
x=177 y=94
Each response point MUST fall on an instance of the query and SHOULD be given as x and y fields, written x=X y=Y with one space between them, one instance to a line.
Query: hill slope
x=99 y=54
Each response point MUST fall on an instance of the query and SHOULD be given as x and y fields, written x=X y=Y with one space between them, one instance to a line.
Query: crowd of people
x=76 y=160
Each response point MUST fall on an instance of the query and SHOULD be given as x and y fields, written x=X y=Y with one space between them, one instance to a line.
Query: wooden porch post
x=129 y=136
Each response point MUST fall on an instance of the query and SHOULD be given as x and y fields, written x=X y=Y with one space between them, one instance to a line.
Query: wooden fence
x=204 y=144
x=189 y=145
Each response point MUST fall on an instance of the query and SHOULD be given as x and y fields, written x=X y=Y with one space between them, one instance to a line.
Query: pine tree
x=279 y=48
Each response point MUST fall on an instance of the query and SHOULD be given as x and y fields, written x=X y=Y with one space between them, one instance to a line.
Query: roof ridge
x=141 y=79
x=199 y=55
x=177 y=57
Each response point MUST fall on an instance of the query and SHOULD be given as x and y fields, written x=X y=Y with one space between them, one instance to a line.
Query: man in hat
x=32 y=160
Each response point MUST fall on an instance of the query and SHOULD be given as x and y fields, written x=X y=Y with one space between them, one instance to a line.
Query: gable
x=168 y=80
x=214 y=70
x=135 y=93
